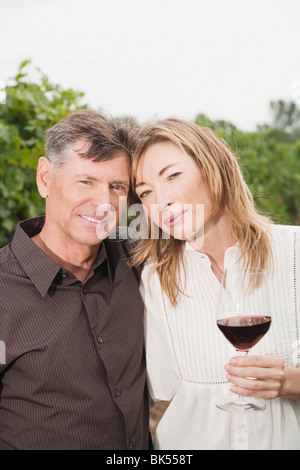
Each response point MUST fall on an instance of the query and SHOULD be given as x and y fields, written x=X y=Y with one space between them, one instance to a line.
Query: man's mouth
x=92 y=219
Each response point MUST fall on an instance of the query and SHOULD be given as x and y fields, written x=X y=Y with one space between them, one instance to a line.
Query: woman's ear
x=42 y=176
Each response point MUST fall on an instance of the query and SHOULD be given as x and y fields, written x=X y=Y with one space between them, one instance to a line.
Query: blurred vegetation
x=29 y=109
x=270 y=160
x=269 y=156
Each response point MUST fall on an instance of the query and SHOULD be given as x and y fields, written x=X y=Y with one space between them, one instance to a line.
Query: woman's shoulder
x=149 y=268
x=284 y=230
x=285 y=239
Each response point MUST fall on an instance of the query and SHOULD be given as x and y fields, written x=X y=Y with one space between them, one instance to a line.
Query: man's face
x=85 y=198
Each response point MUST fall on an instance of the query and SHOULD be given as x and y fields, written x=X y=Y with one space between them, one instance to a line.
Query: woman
x=192 y=189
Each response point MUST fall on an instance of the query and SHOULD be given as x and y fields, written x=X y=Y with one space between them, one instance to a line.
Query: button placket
x=239 y=432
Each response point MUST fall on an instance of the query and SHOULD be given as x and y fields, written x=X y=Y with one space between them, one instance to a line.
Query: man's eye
x=86 y=182
x=119 y=187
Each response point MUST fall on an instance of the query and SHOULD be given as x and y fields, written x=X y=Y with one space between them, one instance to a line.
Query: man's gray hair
x=104 y=137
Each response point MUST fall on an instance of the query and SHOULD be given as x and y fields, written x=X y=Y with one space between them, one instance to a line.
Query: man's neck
x=74 y=258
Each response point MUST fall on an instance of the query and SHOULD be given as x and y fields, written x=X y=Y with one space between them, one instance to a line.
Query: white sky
x=157 y=58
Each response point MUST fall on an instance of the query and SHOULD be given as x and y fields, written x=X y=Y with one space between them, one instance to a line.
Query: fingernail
x=232 y=361
x=226 y=367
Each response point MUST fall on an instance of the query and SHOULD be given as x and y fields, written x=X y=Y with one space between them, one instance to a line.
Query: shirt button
x=64 y=275
x=84 y=290
x=130 y=445
x=100 y=339
x=117 y=392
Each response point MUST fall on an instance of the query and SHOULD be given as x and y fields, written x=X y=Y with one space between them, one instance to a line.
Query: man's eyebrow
x=93 y=178
x=124 y=183
x=161 y=172
x=85 y=176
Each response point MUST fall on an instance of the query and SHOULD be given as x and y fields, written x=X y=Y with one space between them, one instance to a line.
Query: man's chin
x=105 y=230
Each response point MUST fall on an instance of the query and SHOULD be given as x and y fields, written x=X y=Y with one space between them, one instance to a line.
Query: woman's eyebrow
x=160 y=173
x=165 y=169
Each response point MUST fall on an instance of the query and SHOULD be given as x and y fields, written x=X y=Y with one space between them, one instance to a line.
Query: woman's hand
x=257 y=376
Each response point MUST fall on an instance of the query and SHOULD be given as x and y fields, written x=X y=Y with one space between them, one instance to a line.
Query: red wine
x=244 y=332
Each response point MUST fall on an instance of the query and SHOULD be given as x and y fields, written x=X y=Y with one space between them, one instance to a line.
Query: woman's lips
x=171 y=221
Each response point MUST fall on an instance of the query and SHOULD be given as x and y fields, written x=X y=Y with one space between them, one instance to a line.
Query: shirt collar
x=230 y=257
x=117 y=251
x=41 y=269
x=37 y=265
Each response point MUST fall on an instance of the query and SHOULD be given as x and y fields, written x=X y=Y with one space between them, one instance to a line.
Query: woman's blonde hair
x=229 y=192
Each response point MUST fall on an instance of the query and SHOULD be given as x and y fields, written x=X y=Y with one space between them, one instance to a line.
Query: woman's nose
x=162 y=206
x=163 y=202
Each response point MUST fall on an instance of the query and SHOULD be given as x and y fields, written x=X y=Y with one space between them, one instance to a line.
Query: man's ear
x=42 y=176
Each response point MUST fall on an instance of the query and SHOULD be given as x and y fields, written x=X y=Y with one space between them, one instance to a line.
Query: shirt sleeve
x=162 y=371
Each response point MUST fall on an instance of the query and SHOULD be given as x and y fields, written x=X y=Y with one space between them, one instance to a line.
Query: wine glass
x=243 y=316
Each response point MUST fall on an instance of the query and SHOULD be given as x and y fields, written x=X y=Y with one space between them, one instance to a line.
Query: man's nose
x=102 y=196
x=103 y=203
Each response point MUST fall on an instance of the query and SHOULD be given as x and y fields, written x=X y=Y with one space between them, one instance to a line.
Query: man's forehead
x=80 y=146
x=115 y=168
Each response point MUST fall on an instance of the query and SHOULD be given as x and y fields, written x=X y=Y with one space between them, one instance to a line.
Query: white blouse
x=186 y=354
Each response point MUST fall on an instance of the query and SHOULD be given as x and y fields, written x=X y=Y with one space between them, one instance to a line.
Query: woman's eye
x=174 y=175
x=144 y=194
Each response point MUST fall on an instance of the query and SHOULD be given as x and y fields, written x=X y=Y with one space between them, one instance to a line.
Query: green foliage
x=286 y=116
x=269 y=157
x=28 y=111
x=272 y=171
x=270 y=161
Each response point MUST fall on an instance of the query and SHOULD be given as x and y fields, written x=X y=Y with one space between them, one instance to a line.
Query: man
x=71 y=314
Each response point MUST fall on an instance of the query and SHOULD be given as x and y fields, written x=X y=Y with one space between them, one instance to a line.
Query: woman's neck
x=217 y=237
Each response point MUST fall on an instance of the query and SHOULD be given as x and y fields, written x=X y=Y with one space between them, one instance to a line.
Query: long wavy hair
x=231 y=196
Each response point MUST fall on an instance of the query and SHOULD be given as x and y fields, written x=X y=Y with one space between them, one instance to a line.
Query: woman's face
x=172 y=189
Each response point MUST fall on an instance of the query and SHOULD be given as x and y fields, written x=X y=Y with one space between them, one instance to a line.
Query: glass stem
x=242 y=354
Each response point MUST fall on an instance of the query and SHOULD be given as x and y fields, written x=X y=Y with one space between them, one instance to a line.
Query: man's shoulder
x=6 y=255
x=10 y=270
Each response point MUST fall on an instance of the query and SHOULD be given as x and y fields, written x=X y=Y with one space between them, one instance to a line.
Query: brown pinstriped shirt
x=74 y=371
